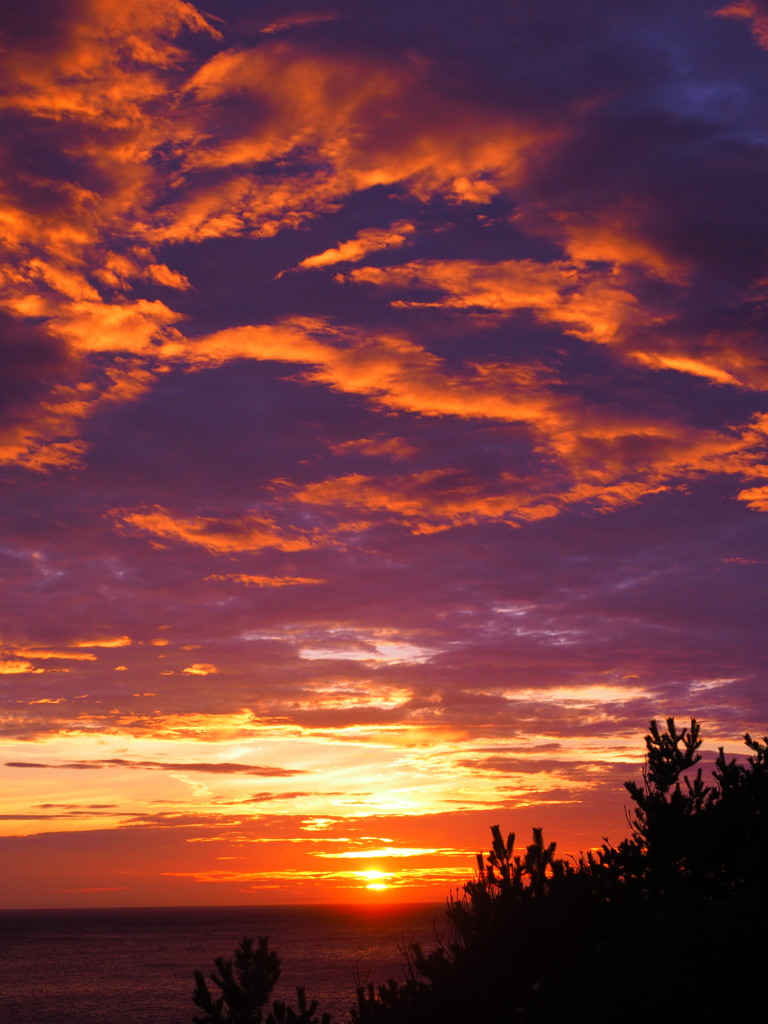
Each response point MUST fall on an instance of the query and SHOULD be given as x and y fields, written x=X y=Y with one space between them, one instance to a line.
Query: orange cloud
x=290 y=340
x=607 y=461
x=505 y=286
x=96 y=75
x=685 y=364
x=76 y=241
x=755 y=497
x=435 y=495
x=19 y=666
x=115 y=327
x=264 y=581
x=372 y=120
x=392 y=447
x=595 y=304
x=611 y=450
x=620 y=234
x=345 y=123
x=394 y=371
x=591 y=304
x=28 y=446
x=243 y=204
x=200 y=669
x=43 y=434
x=80 y=76
x=295 y=21
x=366 y=241
x=112 y=641
x=339 y=123
x=604 y=455
x=733 y=357
x=390 y=851
x=219 y=536
x=441 y=499
x=118 y=270
x=72 y=237
x=749 y=10
x=46 y=655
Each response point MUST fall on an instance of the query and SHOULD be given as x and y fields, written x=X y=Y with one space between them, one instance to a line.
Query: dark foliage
x=670 y=923
x=246 y=983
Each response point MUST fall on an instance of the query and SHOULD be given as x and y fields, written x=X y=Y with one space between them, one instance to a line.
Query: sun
x=375 y=879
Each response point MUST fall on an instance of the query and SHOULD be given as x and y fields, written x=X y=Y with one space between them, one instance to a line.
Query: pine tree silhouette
x=246 y=983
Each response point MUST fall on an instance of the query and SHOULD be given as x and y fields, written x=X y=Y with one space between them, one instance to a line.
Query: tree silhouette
x=246 y=983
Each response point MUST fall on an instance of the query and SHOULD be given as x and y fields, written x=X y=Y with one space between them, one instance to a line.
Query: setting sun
x=375 y=879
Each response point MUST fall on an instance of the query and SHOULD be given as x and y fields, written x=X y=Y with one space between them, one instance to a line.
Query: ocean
x=134 y=965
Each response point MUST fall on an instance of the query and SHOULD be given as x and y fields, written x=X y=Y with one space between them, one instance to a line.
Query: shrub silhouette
x=246 y=983
x=675 y=914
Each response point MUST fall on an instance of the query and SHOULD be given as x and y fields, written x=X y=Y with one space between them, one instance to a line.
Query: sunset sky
x=384 y=432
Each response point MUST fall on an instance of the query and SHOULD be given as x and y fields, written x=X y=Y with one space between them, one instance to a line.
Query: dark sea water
x=134 y=965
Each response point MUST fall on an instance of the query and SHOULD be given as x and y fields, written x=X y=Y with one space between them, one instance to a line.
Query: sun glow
x=375 y=879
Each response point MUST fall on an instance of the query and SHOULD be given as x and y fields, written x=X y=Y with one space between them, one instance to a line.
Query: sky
x=383 y=432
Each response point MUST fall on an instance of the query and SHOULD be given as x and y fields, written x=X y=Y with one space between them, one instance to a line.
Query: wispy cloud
x=366 y=241
x=220 y=768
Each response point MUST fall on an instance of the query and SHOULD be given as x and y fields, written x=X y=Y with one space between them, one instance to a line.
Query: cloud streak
x=219 y=768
